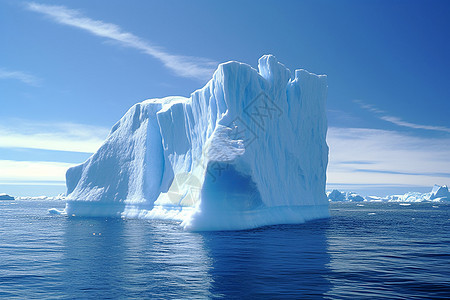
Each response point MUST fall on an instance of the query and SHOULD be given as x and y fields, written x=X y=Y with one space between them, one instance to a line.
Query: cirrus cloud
x=184 y=66
x=24 y=77
x=382 y=115
x=51 y=136
x=381 y=157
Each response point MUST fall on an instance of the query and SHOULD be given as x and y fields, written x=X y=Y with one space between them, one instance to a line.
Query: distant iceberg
x=247 y=150
x=440 y=193
x=4 y=196
x=337 y=196
x=437 y=194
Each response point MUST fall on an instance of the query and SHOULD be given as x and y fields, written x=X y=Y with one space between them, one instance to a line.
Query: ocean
x=364 y=251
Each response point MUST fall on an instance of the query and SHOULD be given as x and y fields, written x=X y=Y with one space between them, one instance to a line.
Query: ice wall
x=247 y=150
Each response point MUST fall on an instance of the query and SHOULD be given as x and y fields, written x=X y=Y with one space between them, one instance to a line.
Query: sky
x=70 y=69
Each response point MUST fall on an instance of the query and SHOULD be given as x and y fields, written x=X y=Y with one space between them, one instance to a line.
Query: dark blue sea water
x=372 y=251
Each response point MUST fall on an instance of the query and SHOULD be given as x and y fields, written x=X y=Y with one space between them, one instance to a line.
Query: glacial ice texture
x=246 y=150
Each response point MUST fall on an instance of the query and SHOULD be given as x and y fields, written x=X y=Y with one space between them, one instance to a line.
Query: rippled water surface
x=372 y=251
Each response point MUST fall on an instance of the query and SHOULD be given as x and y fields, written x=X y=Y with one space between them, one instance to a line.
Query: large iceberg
x=246 y=150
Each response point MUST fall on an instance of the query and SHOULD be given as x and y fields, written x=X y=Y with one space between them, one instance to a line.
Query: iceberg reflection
x=112 y=258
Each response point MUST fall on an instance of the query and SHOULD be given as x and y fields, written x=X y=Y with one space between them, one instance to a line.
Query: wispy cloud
x=70 y=137
x=369 y=107
x=398 y=121
x=372 y=156
x=21 y=76
x=185 y=66
x=13 y=172
x=51 y=136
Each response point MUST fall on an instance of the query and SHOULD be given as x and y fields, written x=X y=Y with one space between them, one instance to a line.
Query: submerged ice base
x=247 y=150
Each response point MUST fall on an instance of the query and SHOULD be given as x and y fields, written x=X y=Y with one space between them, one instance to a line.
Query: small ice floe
x=405 y=204
x=359 y=204
x=435 y=206
x=371 y=214
x=54 y=211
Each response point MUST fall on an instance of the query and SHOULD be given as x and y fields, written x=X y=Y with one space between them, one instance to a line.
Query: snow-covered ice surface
x=247 y=150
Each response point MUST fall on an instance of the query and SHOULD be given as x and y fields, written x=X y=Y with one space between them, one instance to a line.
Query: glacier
x=246 y=150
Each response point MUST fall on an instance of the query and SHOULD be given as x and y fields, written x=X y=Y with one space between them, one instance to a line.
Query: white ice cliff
x=246 y=150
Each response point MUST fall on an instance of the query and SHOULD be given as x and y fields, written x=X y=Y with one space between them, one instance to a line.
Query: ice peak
x=272 y=70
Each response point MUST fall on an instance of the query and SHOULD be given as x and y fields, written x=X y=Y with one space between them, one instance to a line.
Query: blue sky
x=70 y=69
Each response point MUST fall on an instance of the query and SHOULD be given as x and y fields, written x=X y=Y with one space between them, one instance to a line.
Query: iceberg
x=337 y=196
x=246 y=150
x=354 y=197
x=4 y=196
x=437 y=194
x=440 y=193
